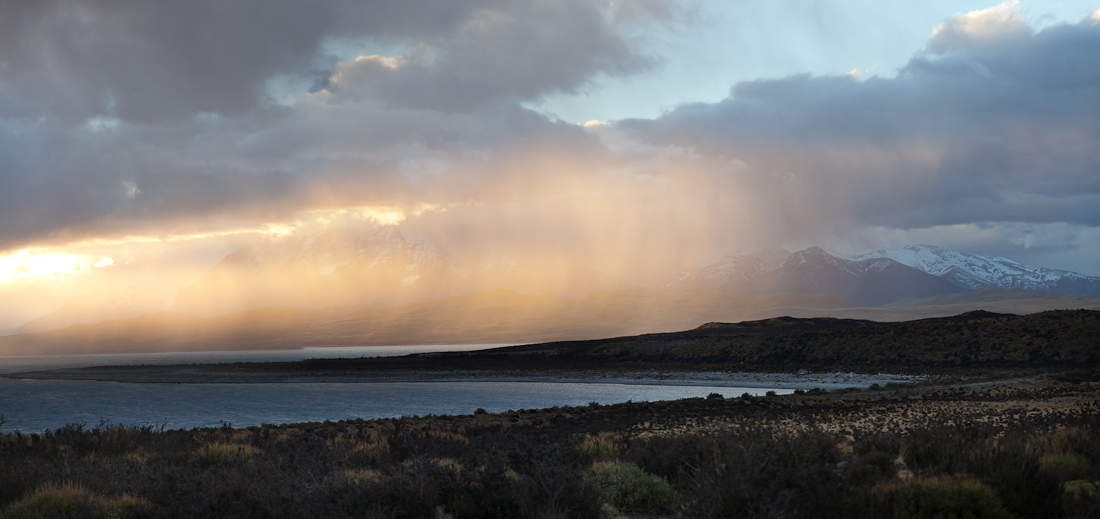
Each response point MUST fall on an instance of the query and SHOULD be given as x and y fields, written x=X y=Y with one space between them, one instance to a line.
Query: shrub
x=353 y=478
x=603 y=446
x=628 y=488
x=943 y=497
x=70 y=500
x=1081 y=498
x=1064 y=467
x=225 y=454
x=715 y=396
x=480 y=410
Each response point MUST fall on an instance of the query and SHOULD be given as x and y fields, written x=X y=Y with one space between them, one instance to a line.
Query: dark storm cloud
x=151 y=61
x=125 y=113
x=516 y=53
x=992 y=122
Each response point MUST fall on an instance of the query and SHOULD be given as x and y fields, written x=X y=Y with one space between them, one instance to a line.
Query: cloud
x=155 y=119
x=1002 y=131
x=981 y=29
x=117 y=117
x=151 y=62
x=515 y=53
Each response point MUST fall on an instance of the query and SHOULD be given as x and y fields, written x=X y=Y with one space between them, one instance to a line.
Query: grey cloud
x=61 y=183
x=662 y=10
x=516 y=53
x=963 y=133
x=71 y=183
x=177 y=88
x=148 y=62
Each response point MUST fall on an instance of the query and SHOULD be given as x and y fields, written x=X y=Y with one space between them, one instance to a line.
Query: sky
x=141 y=142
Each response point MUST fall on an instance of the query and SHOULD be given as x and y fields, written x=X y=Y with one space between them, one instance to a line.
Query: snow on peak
x=972 y=272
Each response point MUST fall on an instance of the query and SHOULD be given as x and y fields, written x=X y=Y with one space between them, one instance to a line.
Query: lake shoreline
x=226 y=374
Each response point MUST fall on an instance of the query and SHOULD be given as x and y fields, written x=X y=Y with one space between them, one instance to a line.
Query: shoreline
x=203 y=374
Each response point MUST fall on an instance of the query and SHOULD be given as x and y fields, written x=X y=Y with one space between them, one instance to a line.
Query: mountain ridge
x=974 y=272
x=867 y=282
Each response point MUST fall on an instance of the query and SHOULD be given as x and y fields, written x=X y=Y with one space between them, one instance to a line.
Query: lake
x=36 y=405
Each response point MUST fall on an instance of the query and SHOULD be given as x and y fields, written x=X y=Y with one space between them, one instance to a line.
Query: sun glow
x=57 y=262
x=382 y=215
x=31 y=264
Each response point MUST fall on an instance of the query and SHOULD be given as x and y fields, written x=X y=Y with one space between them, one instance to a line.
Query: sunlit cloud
x=28 y=264
x=273 y=229
x=424 y=122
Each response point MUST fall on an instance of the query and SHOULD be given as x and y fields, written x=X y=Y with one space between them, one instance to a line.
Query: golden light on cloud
x=385 y=216
x=56 y=262
x=267 y=229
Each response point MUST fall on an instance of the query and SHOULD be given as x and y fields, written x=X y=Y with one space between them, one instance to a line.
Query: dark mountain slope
x=974 y=341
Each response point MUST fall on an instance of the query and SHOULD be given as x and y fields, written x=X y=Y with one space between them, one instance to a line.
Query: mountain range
x=376 y=263
x=973 y=272
x=877 y=278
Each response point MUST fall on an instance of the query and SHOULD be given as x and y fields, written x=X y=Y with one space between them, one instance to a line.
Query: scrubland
x=1022 y=448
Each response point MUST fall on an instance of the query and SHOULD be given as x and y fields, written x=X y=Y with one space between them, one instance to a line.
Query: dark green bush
x=943 y=497
x=628 y=488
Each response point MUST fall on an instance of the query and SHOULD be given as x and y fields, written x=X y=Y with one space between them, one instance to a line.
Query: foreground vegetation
x=1008 y=449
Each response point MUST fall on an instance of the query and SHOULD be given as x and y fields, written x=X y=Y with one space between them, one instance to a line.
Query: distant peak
x=814 y=252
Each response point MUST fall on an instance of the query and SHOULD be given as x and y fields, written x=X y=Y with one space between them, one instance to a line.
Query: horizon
x=143 y=145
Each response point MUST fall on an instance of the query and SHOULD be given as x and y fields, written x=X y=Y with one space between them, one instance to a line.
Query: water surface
x=35 y=405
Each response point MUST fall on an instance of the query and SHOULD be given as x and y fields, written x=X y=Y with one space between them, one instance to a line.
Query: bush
x=225 y=454
x=715 y=396
x=1081 y=498
x=603 y=446
x=1064 y=467
x=943 y=497
x=628 y=488
x=70 y=500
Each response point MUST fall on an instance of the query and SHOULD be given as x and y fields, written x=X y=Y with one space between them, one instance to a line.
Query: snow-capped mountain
x=867 y=282
x=876 y=278
x=973 y=272
x=107 y=303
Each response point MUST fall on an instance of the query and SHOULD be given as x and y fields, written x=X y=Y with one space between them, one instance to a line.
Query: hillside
x=972 y=342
